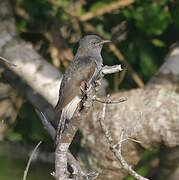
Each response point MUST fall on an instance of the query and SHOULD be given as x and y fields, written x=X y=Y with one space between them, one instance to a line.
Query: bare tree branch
x=109 y=101
x=30 y=159
x=63 y=145
x=117 y=152
x=168 y=74
x=46 y=124
x=77 y=171
x=111 y=69
x=7 y=61
x=107 y=9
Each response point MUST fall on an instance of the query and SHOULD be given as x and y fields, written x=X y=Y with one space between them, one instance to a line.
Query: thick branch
x=149 y=116
x=168 y=73
x=52 y=132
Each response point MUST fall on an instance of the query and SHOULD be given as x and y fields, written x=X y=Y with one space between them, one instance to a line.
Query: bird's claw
x=91 y=175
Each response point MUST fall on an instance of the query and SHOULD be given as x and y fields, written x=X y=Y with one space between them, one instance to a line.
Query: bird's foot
x=91 y=175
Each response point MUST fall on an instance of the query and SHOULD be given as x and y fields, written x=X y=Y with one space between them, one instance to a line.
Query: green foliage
x=175 y=16
x=37 y=9
x=97 y=5
x=28 y=128
x=38 y=170
x=145 y=163
x=101 y=30
x=158 y=43
x=151 y=17
x=12 y=135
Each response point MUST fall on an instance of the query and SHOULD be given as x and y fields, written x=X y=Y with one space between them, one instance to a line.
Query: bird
x=84 y=68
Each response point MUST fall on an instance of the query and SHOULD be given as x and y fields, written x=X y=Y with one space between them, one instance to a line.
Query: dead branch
x=106 y=9
x=77 y=171
x=117 y=152
x=30 y=159
x=109 y=101
x=63 y=145
x=168 y=74
x=111 y=69
x=7 y=61
x=46 y=124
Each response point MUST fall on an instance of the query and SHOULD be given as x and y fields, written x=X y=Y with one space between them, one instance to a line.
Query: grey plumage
x=84 y=68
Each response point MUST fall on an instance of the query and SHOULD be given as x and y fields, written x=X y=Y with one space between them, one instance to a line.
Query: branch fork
x=117 y=148
x=62 y=154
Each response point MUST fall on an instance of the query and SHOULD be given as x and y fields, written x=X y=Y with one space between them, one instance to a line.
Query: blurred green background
x=142 y=33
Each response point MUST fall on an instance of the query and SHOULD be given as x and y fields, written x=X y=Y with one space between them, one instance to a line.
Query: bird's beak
x=106 y=41
x=103 y=42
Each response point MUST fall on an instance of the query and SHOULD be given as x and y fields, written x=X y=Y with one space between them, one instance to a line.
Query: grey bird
x=84 y=68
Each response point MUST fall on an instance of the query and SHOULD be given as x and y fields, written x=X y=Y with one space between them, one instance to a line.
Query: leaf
x=158 y=43
x=152 y=18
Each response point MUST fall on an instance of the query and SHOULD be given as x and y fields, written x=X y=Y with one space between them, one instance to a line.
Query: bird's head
x=92 y=44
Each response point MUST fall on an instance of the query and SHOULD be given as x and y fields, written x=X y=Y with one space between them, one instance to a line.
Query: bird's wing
x=80 y=70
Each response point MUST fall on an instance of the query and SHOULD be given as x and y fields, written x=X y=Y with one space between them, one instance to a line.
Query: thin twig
x=7 y=61
x=128 y=168
x=131 y=139
x=30 y=159
x=117 y=151
x=46 y=124
x=106 y=9
x=109 y=101
x=121 y=78
x=104 y=128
